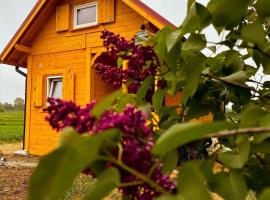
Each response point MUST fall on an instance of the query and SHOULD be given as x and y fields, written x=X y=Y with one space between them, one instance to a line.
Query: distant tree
x=8 y=106
x=19 y=103
x=1 y=107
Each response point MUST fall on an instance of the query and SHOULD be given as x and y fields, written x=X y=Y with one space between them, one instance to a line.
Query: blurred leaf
x=147 y=84
x=263 y=147
x=190 y=3
x=158 y=99
x=212 y=48
x=236 y=159
x=104 y=104
x=238 y=77
x=160 y=41
x=263 y=8
x=265 y=195
x=180 y=134
x=124 y=100
x=230 y=186
x=224 y=15
x=105 y=184
x=119 y=62
x=173 y=38
x=254 y=33
x=171 y=197
x=193 y=69
x=191 y=183
x=56 y=172
x=264 y=122
x=170 y=161
x=233 y=62
x=195 y=42
x=68 y=136
x=251 y=116
x=197 y=18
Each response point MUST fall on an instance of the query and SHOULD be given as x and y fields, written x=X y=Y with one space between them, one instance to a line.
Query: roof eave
x=146 y=12
x=38 y=6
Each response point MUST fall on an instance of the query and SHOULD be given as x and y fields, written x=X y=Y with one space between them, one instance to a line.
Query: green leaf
x=197 y=18
x=160 y=41
x=170 y=161
x=68 y=136
x=224 y=15
x=195 y=42
x=230 y=186
x=158 y=99
x=238 y=77
x=124 y=100
x=265 y=195
x=233 y=62
x=191 y=183
x=180 y=134
x=193 y=68
x=263 y=147
x=190 y=3
x=238 y=158
x=264 y=122
x=212 y=48
x=252 y=116
x=263 y=8
x=119 y=62
x=105 y=104
x=173 y=38
x=147 y=84
x=254 y=33
x=171 y=197
x=56 y=172
x=106 y=182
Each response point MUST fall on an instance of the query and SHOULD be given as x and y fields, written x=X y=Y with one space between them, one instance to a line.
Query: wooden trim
x=88 y=74
x=22 y=29
x=136 y=5
x=148 y=13
x=22 y=48
x=75 y=17
x=28 y=103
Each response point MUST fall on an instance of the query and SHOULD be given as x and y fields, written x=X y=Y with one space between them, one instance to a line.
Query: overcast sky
x=13 y=13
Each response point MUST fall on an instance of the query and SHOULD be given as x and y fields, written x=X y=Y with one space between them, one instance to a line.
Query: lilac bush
x=136 y=143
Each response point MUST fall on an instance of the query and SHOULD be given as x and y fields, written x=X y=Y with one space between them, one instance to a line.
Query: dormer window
x=86 y=15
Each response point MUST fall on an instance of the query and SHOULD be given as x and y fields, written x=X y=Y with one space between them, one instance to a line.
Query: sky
x=13 y=13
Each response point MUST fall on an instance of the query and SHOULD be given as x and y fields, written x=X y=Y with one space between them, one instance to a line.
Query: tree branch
x=243 y=131
x=231 y=83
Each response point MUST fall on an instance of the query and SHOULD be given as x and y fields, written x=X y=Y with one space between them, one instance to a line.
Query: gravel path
x=18 y=164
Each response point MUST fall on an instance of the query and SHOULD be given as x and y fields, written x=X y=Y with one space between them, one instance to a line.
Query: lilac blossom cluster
x=137 y=141
x=141 y=62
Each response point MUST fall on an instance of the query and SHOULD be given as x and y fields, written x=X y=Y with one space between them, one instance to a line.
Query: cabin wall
x=66 y=52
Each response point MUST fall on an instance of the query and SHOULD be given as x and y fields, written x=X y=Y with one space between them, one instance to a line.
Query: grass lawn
x=11 y=126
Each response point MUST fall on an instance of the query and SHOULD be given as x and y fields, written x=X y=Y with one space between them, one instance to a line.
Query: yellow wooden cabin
x=57 y=44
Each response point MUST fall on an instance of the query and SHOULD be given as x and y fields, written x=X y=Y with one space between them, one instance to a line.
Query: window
x=141 y=37
x=86 y=15
x=55 y=86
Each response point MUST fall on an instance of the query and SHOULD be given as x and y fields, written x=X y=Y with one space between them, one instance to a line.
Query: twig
x=242 y=131
x=231 y=83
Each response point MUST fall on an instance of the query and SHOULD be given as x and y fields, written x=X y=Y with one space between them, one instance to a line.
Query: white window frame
x=75 y=19
x=50 y=87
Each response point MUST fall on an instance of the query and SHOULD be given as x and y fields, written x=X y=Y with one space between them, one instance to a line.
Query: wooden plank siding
x=69 y=52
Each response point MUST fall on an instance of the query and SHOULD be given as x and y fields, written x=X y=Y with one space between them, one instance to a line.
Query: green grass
x=11 y=126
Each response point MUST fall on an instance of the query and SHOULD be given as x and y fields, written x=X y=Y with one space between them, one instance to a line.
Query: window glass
x=55 y=87
x=86 y=15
